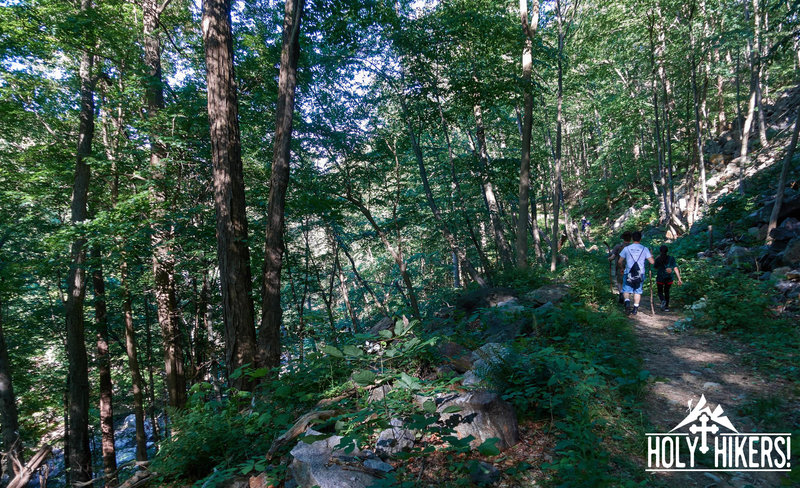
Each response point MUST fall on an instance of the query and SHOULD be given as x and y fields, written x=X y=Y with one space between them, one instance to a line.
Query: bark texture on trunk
x=503 y=249
x=163 y=261
x=9 y=414
x=80 y=457
x=557 y=158
x=233 y=253
x=133 y=366
x=529 y=29
x=269 y=339
x=104 y=371
x=776 y=208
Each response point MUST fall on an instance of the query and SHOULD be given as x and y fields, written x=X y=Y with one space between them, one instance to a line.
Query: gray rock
x=379 y=393
x=385 y=323
x=793 y=275
x=548 y=293
x=737 y=254
x=488 y=355
x=378 y=465
x=394 y=439
x=312 y=465
x=484 y=474
x=471 y=378
x=713 y=477
x=791 y=255
x=781 y=272
x=483 y=415
x=710 y=385
x=458 y=356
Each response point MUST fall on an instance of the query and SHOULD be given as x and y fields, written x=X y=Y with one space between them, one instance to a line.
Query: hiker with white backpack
x=634 y=257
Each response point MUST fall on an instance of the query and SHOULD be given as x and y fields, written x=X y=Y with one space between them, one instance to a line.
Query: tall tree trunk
x=80 y=456
x=163 y=260
x=437 y=215
x=758 y=67
x=104 y=370
x=557 y=159
x=787 y=160
x=697 y=124
x=133 y=364
x=748 y=122
x=721 y=117
x=9 y=415
x=495 y=221
x=358 y=276
x=269 y=338
x=529 y=29
x=148 y=338
x=456 y=186
x=233 y=253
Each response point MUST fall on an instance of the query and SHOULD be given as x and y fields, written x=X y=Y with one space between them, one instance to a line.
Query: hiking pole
x=652 y=308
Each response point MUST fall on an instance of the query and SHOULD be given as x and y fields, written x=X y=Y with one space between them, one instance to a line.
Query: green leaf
x=259 y=373
x=385 y=334
x=488 y=447
x=352 y=351
x=429 y=406
x=452 y=409
x=332 y=351
x=364 y=377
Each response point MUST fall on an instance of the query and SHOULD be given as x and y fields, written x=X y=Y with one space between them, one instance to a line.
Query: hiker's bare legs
x=636 y=298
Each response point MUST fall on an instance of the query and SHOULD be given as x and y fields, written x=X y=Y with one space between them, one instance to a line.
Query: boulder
x=547 y=293
x=488 y=355
x=486 y=298
x=457 y=356
x=385 y=323
x=315 y=465
x=793 y=275
x=791 y=255
x=737 y=254
x=758 y=232
x=780 y=273
x=783 y=234
x=379 y=393
x=394 y=439
x=483 y=415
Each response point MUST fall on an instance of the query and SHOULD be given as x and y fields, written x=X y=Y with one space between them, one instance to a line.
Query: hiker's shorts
x=626 y=288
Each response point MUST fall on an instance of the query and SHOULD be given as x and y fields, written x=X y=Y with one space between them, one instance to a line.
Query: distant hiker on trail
x=585 y=225
x=617 y=269
x=665 y=266
x=634 y=257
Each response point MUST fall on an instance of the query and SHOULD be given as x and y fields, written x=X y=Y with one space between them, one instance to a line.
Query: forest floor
x=684 y=365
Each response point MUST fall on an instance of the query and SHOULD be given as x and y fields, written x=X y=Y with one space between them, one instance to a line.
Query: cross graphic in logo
x=704 y=429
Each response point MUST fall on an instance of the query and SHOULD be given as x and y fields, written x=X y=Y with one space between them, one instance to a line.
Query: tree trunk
x=104 y=371
x=787 y=160
x=9 y=415
x=496 y=223
x=80 y=456
x=529 y=29
x=148 y=337
x=748 y=122
x=437 y=215
x=758 y=67
x=557 y=159
x=163 y=259
x=269 y=339
x=456 y=186
x=233 y=253
x=697 y=125
x=361 y=280
x=133 y=365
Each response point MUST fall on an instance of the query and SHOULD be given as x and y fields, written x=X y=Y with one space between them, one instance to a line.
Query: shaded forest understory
x=358 y=243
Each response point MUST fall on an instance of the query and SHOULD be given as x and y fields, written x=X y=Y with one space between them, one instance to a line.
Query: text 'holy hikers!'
x=730 y=450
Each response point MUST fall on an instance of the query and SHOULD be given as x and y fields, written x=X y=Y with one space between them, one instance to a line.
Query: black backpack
x=635 y=277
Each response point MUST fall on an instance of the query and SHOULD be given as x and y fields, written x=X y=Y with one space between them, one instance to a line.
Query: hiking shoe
x=664 y=305
x=635 y=310
x=665 y=308
x=627 y=306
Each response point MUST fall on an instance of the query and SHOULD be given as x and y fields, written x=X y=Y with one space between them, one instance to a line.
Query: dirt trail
x=685 y=365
